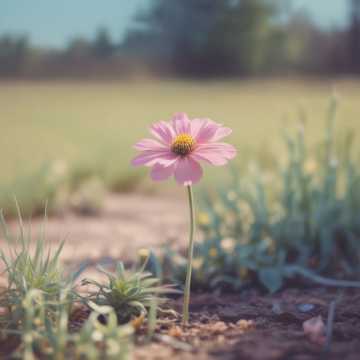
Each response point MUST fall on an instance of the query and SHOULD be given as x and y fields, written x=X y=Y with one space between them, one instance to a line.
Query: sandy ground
x=126 y=223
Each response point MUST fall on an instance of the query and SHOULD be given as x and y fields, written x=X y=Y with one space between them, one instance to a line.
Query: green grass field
x=96 y=123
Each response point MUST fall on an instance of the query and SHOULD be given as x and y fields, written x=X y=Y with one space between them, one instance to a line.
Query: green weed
x=29 y=268
x=130 y=293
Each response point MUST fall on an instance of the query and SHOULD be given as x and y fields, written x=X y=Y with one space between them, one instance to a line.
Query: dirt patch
x=126 y=223
x=252 y=326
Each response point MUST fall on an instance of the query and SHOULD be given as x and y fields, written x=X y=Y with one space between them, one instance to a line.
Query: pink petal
x=196 y=125
x=181 y=123
x=188 y=171
x=163 y=131
x=221 y=133
x=150 y=158
x=225 y=150
x=161 y=172
x=210 y=157
x=149 y=144
x=206 y=131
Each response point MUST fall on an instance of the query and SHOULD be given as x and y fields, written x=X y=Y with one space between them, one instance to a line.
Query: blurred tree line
x=200 y=38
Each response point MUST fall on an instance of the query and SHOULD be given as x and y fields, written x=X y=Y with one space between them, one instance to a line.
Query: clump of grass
x=38 y=301
x=29 y=269
x=300 y=219
x=130 y=292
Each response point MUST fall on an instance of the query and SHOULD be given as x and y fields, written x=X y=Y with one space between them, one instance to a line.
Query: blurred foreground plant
x=52 y=339
x=103 y=339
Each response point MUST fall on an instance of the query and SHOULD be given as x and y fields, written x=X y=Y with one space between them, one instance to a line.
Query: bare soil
x=250 y=325
x=126 y=223
x=254 y=326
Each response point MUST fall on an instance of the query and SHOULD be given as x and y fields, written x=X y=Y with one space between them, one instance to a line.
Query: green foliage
x=208 y=37
x=29 y=268
x=115 y=340
x=130 y=293
x=14 y=53
x=37 y=333
x=53 y=339
x=38 y=302
x=79 y=188
x=44 y=184
x=103 y=46
x=298 y=219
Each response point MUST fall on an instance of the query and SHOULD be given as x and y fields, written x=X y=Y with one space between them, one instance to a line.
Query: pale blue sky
x=55 y=22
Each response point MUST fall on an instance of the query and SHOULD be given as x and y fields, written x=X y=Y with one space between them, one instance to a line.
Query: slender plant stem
x=190 y=257
x=322 y=280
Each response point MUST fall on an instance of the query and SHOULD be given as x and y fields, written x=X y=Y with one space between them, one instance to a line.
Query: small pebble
x=305 y=307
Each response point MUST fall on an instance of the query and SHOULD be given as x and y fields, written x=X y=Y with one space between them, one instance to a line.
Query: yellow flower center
x=183 y=144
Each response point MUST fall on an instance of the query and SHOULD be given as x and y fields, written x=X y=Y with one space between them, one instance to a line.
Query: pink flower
x=179 y=147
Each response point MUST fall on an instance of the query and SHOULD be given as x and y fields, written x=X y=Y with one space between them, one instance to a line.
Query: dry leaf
x=315 y=330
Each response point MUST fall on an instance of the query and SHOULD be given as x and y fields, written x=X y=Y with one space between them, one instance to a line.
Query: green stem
x=190 y=257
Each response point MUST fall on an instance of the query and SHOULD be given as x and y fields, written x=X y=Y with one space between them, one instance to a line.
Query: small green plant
x=130 y=293
x=29 y=268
